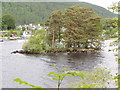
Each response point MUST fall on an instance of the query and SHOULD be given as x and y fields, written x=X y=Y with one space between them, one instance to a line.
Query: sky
x=103 y=3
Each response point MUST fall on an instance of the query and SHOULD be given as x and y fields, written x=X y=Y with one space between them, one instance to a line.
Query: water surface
x=34 y=68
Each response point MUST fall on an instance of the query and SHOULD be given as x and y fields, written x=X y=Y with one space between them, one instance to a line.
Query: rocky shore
x=54 y=52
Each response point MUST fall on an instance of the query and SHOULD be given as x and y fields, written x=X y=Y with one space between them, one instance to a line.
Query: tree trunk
x=59 y=35
x=53 y=39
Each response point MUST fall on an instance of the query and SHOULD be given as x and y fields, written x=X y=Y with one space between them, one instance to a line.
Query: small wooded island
x=65 y=46
x=76 y=29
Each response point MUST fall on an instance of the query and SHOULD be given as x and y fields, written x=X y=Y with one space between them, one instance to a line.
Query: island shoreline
x=55 y=52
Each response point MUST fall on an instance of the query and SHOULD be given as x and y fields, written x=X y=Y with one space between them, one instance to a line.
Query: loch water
x=34 y=68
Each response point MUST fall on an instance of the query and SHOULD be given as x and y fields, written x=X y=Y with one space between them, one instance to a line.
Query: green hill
x=36 y=12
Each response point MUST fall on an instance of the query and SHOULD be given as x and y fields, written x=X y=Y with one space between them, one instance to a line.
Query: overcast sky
x=103 y=3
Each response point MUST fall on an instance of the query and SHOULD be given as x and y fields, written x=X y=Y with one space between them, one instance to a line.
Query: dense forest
x=23 y=12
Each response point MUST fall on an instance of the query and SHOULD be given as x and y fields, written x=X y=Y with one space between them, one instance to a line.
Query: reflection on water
x=34 y=68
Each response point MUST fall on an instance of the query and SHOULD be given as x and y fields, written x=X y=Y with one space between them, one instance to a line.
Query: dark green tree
x=54 y=24
x=77 y=27
x=8 y=22
x=83 y=27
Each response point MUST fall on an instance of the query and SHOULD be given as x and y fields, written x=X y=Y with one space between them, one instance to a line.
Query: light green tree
x=37 y=42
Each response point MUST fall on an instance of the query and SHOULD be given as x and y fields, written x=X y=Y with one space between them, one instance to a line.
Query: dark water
x=34 y=68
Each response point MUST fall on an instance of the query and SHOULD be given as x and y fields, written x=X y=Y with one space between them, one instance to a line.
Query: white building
x=27 y=33
x=19 y=27
x=29 y=27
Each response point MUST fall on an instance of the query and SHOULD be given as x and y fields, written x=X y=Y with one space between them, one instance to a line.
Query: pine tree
x=83 y=27
x=54 y=24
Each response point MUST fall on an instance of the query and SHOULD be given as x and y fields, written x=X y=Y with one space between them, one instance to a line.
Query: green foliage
x=24 y=12
x=59 y=76
x=116 y=43
x=76 y=25
x=110 y=27
x=117 y=80
x=8 y=22
x=114 y=7
x=36 y=42
x=97 y=79
x=17 y=33
x=83 y=27
x=54 y=24
x=91 y=85
x=23 y=28
x=25 y=83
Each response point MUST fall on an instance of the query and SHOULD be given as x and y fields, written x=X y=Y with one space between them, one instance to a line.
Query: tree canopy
x=24 y=12
x=76 y=26
x=8 y=22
